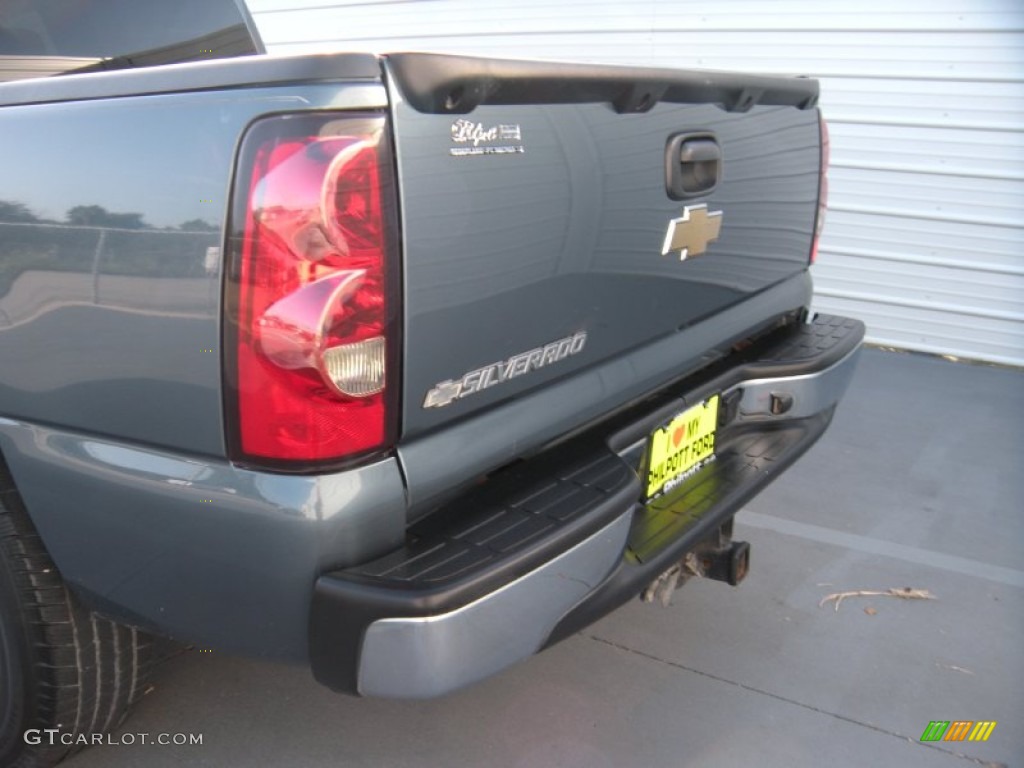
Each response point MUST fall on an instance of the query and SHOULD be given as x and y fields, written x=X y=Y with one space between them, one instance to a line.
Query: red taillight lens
x=819 y=219
x=309 y=320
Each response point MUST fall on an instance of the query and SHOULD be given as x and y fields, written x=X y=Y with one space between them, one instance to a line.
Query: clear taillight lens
x=819 y=219
x=310 y=331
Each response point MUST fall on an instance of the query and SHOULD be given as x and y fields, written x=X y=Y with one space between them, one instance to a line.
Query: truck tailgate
x=546 y=208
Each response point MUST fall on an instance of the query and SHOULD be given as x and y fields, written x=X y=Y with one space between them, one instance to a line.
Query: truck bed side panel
x=110 y=224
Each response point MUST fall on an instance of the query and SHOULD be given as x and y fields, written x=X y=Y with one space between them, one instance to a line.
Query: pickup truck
x=403 y=367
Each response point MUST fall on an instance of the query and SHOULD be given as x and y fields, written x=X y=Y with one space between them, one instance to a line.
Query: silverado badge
x=691 y=232
x=479 y=379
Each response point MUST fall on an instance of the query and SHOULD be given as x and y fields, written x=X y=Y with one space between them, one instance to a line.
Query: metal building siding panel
x=923 y=241
x=968 y=199
x=783 y=15
x=953 y=152
x=944 y=104
x=962 y=290
x=925 y=234
x=937 y=330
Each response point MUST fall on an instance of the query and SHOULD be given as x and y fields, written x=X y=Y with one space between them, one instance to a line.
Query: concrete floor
x=919 y=483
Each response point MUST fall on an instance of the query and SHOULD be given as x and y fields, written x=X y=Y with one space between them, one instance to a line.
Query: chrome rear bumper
x=415 y=638
x=429 y=656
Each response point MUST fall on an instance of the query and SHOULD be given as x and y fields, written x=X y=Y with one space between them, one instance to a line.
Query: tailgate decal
x=485 y=377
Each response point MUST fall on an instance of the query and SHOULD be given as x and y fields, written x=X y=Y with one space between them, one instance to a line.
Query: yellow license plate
x=678 y=450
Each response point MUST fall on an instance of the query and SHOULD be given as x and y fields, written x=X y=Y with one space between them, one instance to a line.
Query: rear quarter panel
x=111 y=213
x=111 y=218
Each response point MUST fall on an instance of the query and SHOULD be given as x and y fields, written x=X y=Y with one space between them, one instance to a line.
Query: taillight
x=819 y=219
x=310 y=336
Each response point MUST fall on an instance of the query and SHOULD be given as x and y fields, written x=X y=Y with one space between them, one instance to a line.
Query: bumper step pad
x=499 y=526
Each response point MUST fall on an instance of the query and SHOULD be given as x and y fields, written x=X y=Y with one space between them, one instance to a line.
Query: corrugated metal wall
x=925 y=98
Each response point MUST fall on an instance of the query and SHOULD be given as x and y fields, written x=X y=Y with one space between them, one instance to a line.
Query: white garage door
x=925 y=98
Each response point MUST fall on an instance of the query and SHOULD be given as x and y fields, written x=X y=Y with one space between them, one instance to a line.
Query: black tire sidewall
x=15 y=668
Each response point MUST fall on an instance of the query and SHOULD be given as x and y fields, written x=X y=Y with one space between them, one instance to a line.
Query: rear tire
x=61 y=665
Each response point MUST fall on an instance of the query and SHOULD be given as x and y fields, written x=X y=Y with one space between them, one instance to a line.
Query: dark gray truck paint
x=110 y=409
x=111 y=412
x=103 y=327
x=484 y=285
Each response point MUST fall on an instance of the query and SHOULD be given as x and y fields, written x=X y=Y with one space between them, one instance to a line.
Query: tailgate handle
x=693 y=165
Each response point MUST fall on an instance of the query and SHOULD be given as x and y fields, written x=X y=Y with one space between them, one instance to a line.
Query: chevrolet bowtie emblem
x=691 y=232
